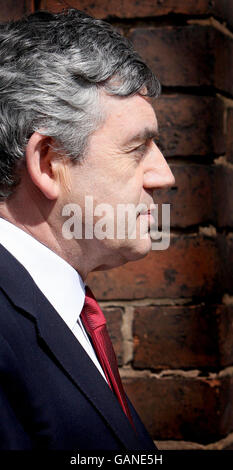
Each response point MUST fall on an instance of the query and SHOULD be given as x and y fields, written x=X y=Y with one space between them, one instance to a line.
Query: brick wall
x=170 y=315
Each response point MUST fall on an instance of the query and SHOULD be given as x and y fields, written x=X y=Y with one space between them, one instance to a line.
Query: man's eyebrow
x=145 y=134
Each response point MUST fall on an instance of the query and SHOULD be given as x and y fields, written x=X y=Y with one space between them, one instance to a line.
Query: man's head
x=76 y=121
x=53 y=70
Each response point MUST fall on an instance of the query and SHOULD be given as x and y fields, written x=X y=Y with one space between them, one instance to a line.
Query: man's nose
x=157 y=172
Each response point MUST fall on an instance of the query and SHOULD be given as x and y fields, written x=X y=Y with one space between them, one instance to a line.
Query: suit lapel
x=64 y=347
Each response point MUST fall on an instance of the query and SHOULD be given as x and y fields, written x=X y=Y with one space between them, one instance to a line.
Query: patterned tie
x=95 y=324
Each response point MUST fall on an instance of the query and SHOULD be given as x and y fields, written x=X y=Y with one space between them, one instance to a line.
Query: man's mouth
x=149 y=215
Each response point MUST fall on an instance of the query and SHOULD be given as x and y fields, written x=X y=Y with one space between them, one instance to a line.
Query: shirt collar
x=58 y=281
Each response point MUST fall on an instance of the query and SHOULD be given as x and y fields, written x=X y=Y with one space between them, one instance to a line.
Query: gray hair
x=52 y=69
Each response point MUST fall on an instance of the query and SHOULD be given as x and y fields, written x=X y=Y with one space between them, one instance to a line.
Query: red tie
x=95 y=324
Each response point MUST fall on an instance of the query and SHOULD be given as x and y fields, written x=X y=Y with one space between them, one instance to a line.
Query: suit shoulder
x=14 y=323
x=7 y=308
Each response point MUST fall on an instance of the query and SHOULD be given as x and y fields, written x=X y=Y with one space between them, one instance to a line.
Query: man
x=76 y=122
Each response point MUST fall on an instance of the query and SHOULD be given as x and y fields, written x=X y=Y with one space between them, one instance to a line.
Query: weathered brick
x=196 y=336
x=176 y=53
x=175 y=337
x=223 y=61
x=114 y=320
x=193 y=55
x=195 y=409
x=189 y=267
x=190 y=125
x=225 y=334
x=225 y=248
x=202 y=194
x=224 y=10
x=133 y=8
x=229 y=137
x=191 y=198
x=223 y=195
x=228 y=446
x=179 y=445
x=12 y=10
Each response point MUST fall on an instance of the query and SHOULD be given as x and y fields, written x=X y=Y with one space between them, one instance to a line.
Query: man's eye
x=142 y=148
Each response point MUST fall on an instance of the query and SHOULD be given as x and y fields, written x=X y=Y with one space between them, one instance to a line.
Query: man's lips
x=149 y=215
x=148 y=212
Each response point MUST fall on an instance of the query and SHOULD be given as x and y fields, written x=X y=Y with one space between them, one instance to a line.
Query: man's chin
x=133 y=252
x=138 y=250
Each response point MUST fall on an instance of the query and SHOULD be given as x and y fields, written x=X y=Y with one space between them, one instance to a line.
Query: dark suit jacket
x=51 y=394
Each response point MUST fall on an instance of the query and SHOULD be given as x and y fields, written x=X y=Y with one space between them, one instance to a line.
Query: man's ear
x=41 y=162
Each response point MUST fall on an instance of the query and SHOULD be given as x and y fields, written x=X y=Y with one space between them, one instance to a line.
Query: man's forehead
x=132 y=118
x=146 y=133
x=143 y=124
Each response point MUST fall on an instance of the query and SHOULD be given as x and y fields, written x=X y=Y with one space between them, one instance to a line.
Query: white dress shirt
x=58 y=281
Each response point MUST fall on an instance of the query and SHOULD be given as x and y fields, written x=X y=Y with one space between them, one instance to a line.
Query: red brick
x=225 y=333
x=225 y=248
x=224 y=10
x=189 y=267
x=229 y=137
x=202 y=194
x=191 y=197
x=223 y=195
x=193 y=55
x=227 y=446
x=223 y=63
x=194 y=409
x=13 y=10
x=179 y=445
x=132 y=8
x=196 y=336
x=179 y=55
x=114 y=320
x=190 y=125
x=175 y=337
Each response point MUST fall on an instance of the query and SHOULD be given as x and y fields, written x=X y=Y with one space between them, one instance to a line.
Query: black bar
x=106 y=460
